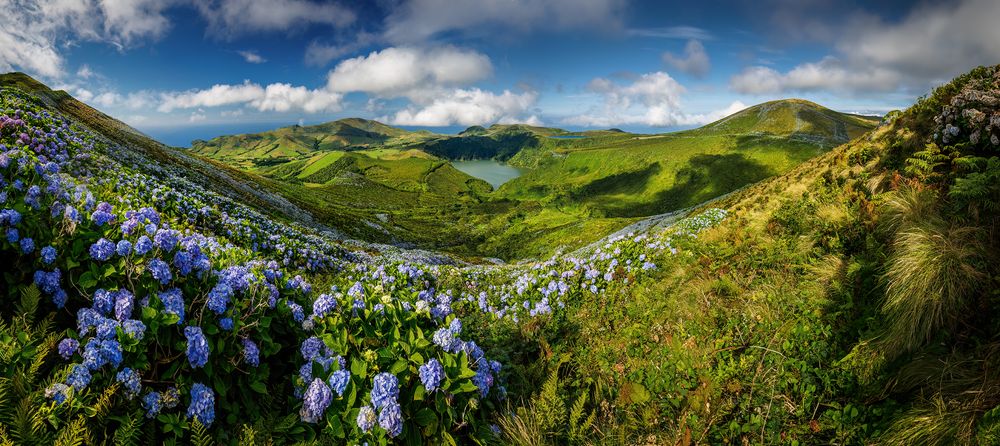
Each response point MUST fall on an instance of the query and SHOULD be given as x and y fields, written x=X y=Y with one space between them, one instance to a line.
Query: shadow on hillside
x=631 y=182
x=703 y=178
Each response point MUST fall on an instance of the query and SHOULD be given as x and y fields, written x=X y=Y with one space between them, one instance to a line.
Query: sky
x=186 y=69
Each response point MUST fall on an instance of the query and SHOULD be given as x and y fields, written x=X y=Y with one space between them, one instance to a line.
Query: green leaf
x=425 y=417
x=359 y=368
x=259 y=387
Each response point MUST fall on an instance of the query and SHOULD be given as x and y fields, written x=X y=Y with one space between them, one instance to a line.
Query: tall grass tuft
x=930 y=278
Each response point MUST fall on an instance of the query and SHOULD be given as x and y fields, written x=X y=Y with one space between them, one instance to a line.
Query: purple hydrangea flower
x=102 y=249
x=431 y=374
x=339 y=380
x=366 y=418
x=317 y=398
x=68 y=347
x=160 y=271
x=251 y=354
x=391 y=419
x=173 y=302
x=385 y=389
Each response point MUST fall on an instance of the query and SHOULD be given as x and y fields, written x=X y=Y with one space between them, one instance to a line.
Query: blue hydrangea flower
x=444 y=338
x=251 y=354
x=68 y=347
x=48 y=255
x=79 y=377
x=339 y=380
x=104 y=301
x=151 y=402
x=59 y=298
x=160 y=271
x=391 y=419
x=202 y=406
x=59 y=392
x=197 y=346
x=130 y=380
x=12 y=235
x=102 y=249
x=101 y=217
x=134 y=329
x=317 y=398
x=431 y=374
x=483 y=380
x=123 y=248
x=48 y=281
x=218 y=298
x=165 y=239
x=385 y=389
x=226 y=323
x=311 y=348
x=297 y=313
x=366 y=418
x=455 y=327
x=143 y=245
x=27 y=245
x=323 y=305
x=173 y=302
x=124 y=304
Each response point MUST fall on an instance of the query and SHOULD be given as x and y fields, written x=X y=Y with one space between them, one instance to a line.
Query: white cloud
x=653 y=99
x=405 y=71
x=85 y=72
x=198 y=115
x=468 y=107
x=931 y=44
x=829 y=74
x=694 y=62
x=251 y=56
x=276 y=97
x=530 y=120
x=32 y=31
x=422 y=20
x=230 y=18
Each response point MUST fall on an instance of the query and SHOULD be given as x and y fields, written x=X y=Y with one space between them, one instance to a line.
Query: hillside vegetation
x=848 y=300
x=399 y=187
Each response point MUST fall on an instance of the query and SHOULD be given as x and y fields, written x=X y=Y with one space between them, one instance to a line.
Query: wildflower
x=58 y=392
x=315 y=402
x=385 y=388
x=197 y=346
x=48 y=255
x=79 y=377
x=160 y=271
x=202 y=406
x=391 y=419
x=143 y=245
x=151 y=402
x=218 y=298
x=338 y=381
x=130 y=379
x=124 y=304
x=251 y=354
x=173 y=303
x=102 y=249
x=27 y=245
x=134 y=329
x=68 y=347
x=444 y=338
x=123 y=248
x=366 y=418
x=431 y=374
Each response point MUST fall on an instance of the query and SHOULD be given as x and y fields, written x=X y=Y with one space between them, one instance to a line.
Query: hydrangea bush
x=199 y=308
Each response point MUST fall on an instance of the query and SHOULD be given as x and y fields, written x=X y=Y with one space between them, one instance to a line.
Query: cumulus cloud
x=468 y=107
x=231 y=18
x=276 y=97
x=407 y=71
x=320 y=54
x=931 y=44
x=198 y=115
x=694 y=61
x=653 y=99
x=251 y=56
x=421 y=20
x=31 y=31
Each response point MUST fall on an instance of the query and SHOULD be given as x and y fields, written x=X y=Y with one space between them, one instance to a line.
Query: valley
x=375 y=182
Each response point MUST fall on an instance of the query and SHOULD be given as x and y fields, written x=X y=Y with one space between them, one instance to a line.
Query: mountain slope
x=792 y=118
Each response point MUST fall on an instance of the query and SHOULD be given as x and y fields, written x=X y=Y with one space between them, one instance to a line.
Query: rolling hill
x=396 y=184
x=848 y=299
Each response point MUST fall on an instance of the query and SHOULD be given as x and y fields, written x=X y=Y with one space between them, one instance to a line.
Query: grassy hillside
x=578 y=186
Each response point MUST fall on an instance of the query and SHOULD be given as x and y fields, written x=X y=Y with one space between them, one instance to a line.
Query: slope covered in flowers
x=175 y=309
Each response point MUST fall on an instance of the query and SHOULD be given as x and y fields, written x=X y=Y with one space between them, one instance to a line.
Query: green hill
x=792 y=118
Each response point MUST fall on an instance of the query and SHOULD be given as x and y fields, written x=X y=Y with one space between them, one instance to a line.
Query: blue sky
x=184 y=69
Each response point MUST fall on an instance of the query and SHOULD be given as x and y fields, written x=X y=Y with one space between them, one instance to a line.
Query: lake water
x=492 y=171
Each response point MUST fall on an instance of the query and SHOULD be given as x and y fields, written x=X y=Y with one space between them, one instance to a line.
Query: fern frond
x=74 y=434
x=248 y=436
x=129 y=430
x=27 y=422
x=199 y=434
x=102 y=406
